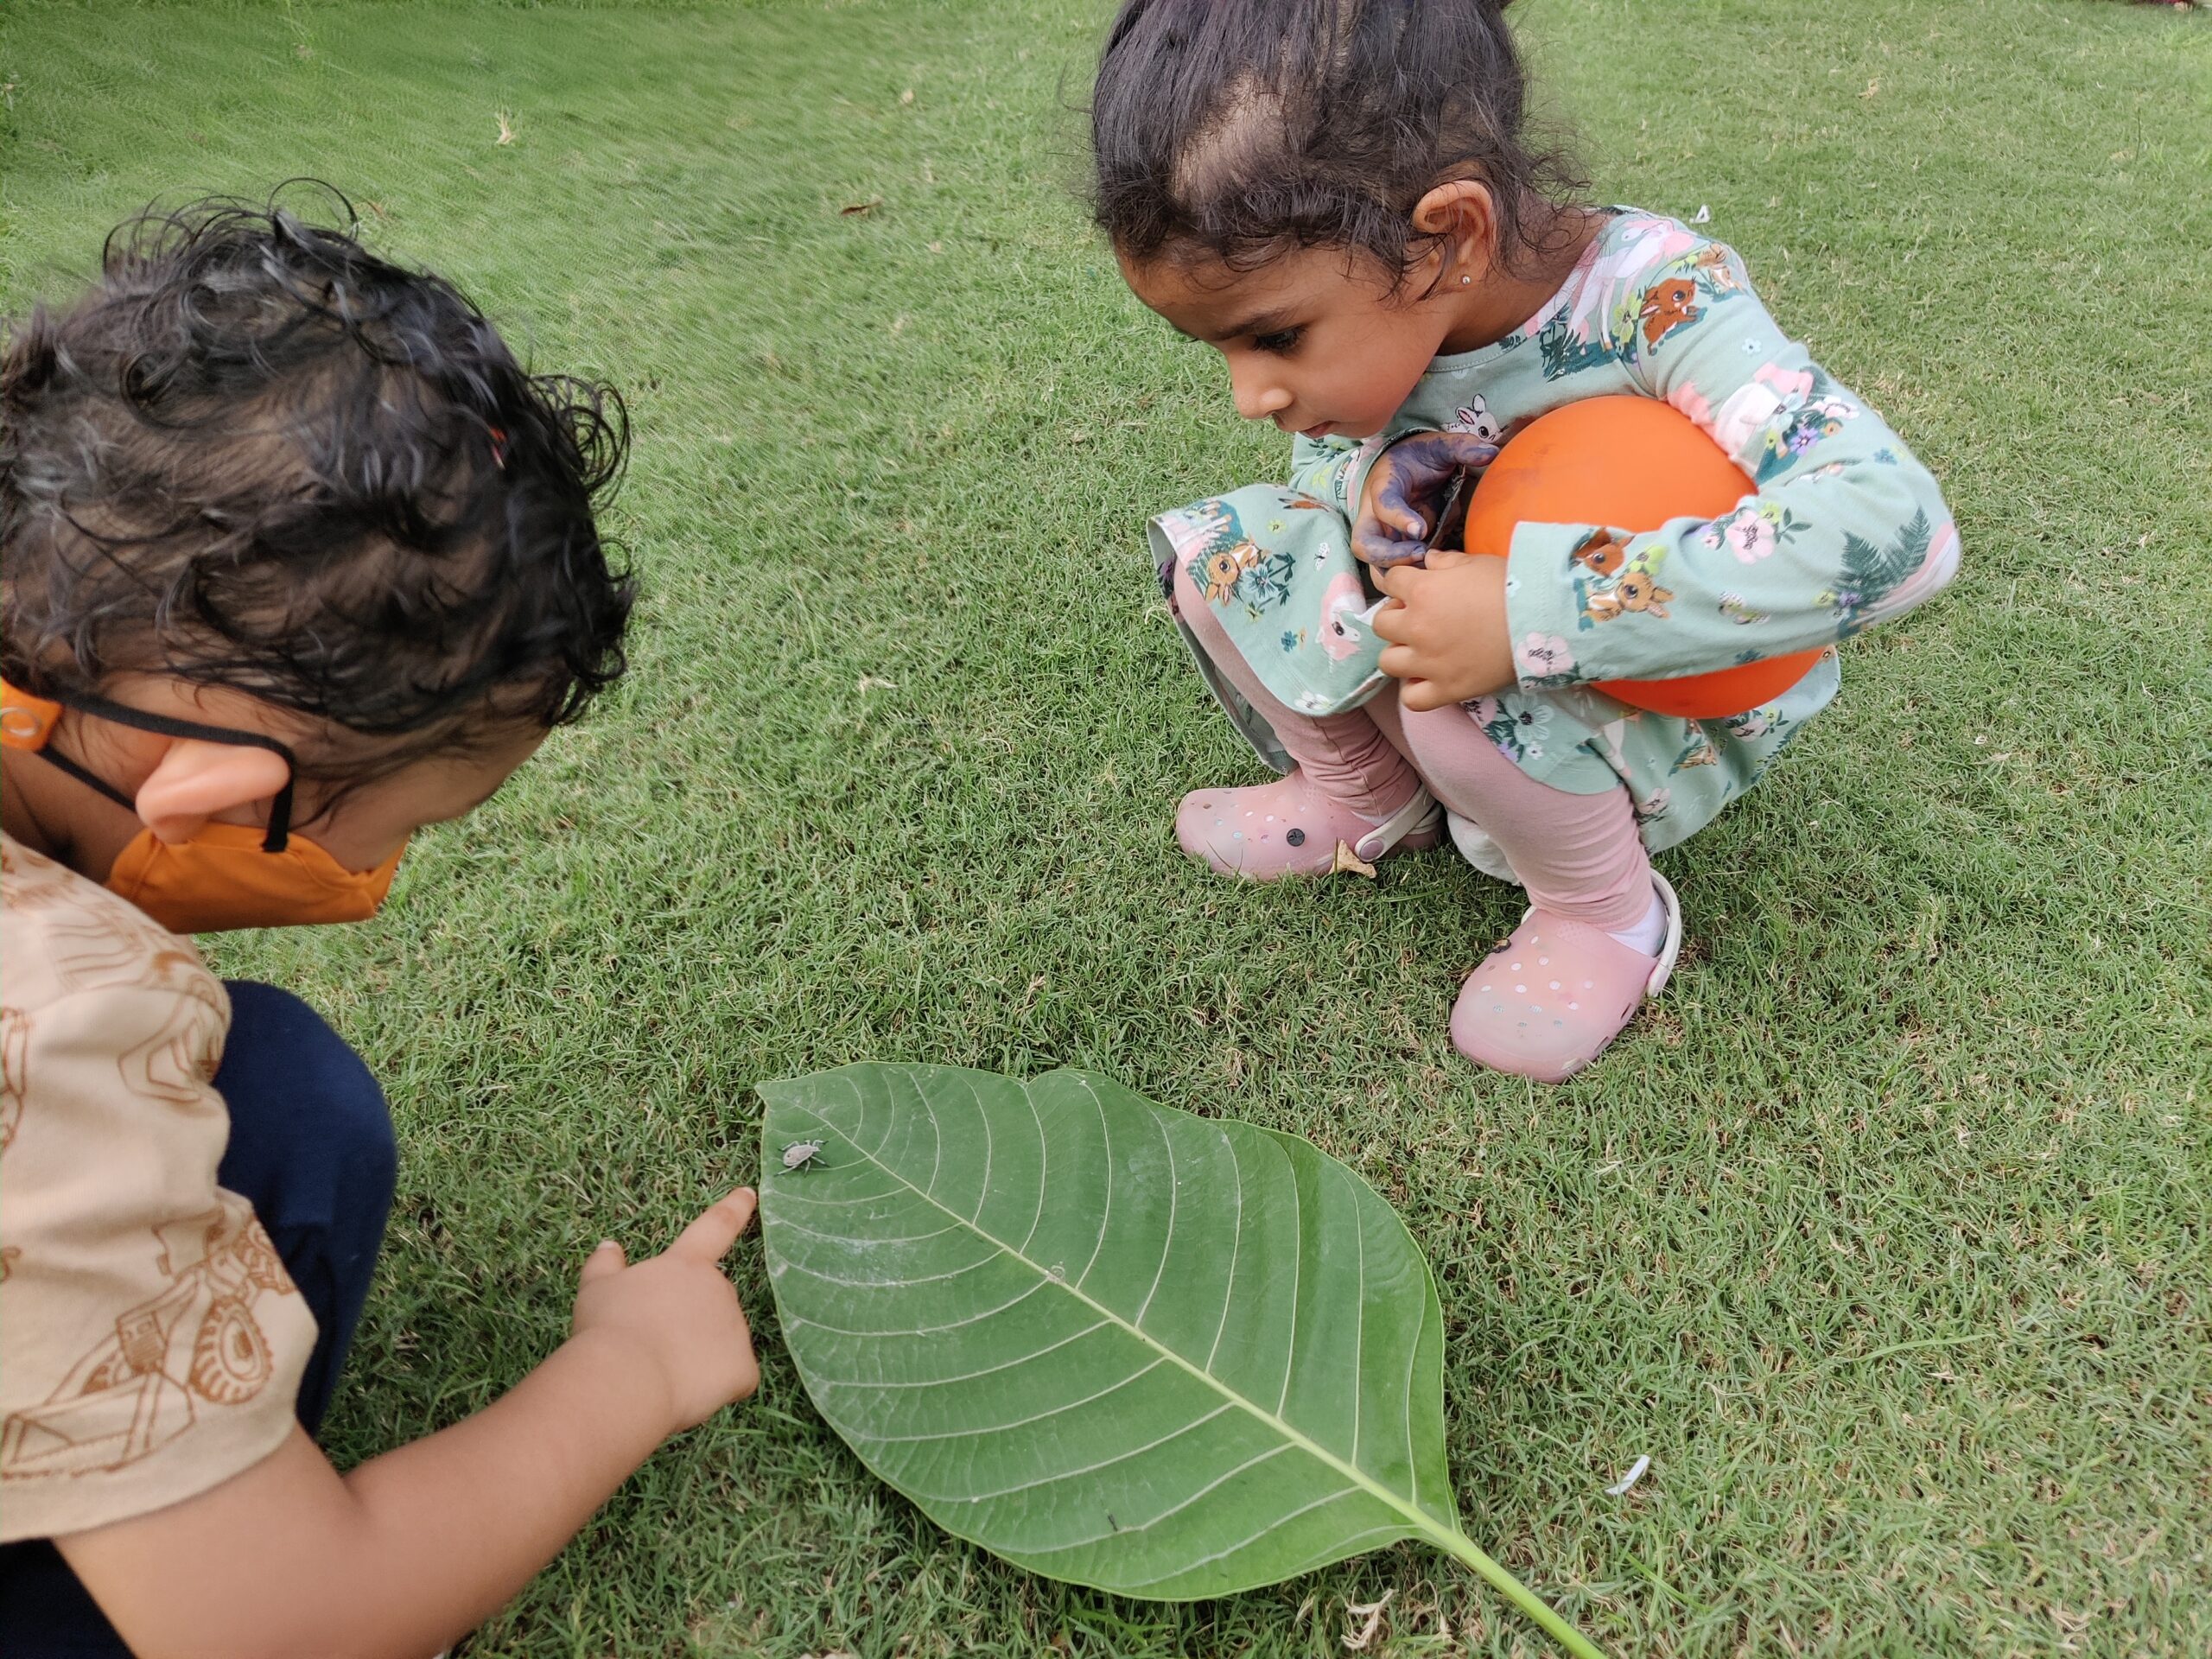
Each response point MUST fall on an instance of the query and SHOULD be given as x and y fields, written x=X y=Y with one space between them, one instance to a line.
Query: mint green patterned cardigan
x=1845 y=529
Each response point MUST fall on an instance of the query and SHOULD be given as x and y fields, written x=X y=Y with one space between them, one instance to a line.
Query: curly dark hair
x=254 y=455
x=1240 y=130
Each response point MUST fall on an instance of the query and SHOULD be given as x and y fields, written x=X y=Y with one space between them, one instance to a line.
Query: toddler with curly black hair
x=294 y=559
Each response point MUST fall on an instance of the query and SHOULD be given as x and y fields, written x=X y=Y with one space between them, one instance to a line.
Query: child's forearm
x=462 y=1520
x=400 y=1557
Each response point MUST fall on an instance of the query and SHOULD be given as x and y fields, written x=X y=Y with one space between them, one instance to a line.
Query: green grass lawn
x=1884 y=1234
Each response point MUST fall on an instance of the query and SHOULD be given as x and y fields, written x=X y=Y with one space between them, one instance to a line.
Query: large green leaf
x=1165 y=1355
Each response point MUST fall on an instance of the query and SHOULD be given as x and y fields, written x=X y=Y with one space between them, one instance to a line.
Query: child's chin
x=1358 y=431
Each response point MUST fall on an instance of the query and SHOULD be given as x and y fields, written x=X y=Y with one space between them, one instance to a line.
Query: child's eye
x=1282 y=341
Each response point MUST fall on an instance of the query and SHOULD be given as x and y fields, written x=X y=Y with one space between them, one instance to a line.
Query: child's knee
x=1191 y=610
x=1455 y=756
x=286 y=1076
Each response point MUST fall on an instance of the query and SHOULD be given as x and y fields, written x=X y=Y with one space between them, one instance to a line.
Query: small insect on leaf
x=800 y=1154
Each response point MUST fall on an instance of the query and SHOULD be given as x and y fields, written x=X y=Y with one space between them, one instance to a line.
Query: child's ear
x=1463 y=212
x=195 y=781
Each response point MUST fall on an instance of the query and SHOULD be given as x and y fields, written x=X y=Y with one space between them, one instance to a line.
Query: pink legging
x=1579 y=855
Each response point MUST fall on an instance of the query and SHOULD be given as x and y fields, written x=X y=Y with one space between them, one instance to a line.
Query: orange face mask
x=227 y=875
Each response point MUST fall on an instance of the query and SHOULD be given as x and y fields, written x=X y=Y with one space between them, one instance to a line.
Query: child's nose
x=1256 y=395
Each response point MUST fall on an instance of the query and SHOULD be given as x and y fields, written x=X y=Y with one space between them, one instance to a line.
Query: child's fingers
x=708 y=1238
x=1468 y=450
x=603 y=1262
x=1383 y=553
x=1373 y=543
x=1398 y=661
x=1396 y=507
x=1398 y=581
x=1419 y=695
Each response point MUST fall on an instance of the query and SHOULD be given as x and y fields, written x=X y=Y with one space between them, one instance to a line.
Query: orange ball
x=1633 y=463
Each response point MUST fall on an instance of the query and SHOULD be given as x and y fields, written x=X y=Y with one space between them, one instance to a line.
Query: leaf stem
x=1463 y=1548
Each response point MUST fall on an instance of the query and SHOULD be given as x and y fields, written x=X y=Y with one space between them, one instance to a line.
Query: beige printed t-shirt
x=150 y=1342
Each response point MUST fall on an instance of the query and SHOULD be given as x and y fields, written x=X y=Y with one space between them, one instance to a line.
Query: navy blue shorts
x=312 y=1150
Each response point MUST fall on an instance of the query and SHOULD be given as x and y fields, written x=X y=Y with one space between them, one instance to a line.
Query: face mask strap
x=279 y=833
x=61 y=762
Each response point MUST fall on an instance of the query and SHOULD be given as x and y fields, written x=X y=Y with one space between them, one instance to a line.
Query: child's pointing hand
x=1447 y=629
x=678 y=1313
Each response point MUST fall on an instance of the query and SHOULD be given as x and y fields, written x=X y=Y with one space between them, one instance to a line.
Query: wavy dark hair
x=254 y=455
x=1240 y=130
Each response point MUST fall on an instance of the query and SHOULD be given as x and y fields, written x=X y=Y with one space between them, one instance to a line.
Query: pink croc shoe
x=1267 y=831
x=1546 y=1002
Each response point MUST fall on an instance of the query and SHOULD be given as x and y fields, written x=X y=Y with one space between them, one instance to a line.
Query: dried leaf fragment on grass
x=1621 y=1487
x=855 y=209
x=1371 y=1612
x=1347 y=860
